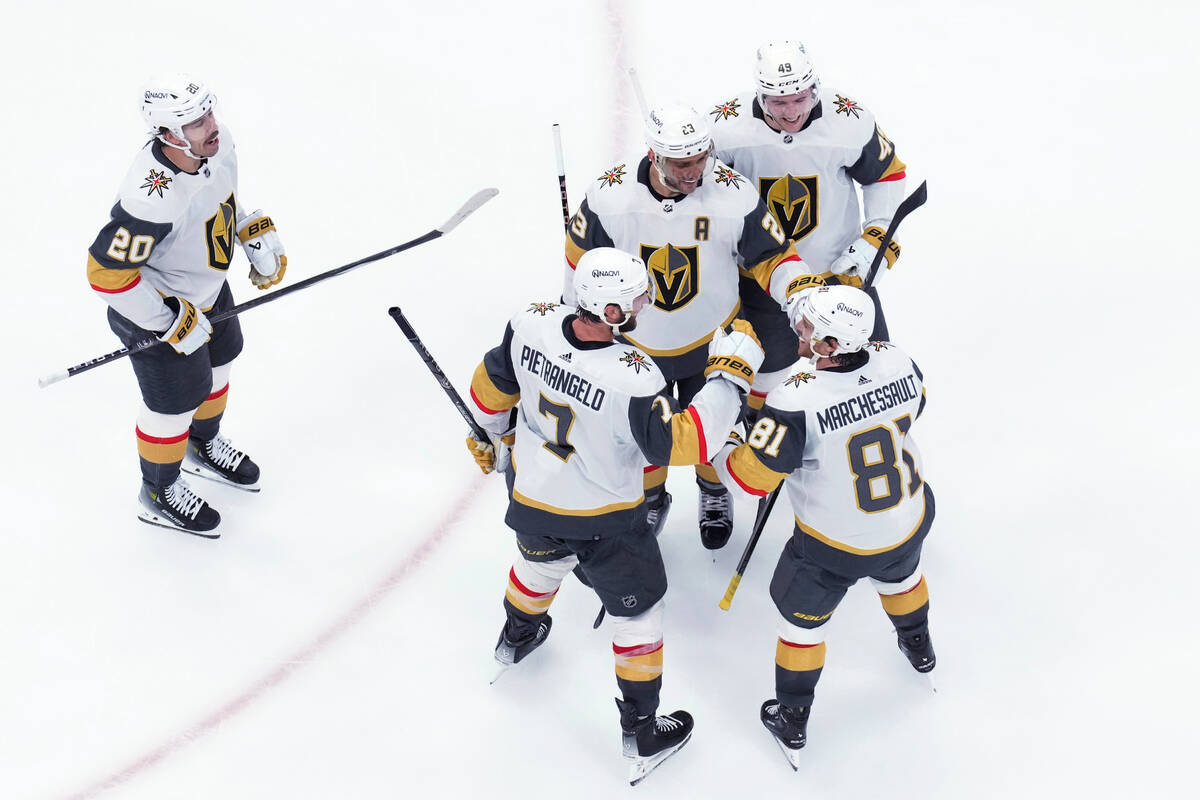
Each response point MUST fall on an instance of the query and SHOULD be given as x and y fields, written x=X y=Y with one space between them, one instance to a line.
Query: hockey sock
x=797 y=670
x=654 y=482
x=909 y=611
x=207 y=419
x=524 y=604
x=161 y=445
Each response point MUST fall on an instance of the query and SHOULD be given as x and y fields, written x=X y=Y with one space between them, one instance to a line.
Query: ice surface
x=336 y=641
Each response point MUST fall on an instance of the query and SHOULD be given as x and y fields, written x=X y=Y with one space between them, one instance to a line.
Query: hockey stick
x=641 y=96
x=906 y=207
x=478 y=199
x=409 y=333
x=760 y=521
x=562 y=175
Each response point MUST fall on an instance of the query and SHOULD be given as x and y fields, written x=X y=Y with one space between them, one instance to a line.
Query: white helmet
x=675 y=130
x=173 y=100
x=843 y=312
x=607 y=275
x=783 y=68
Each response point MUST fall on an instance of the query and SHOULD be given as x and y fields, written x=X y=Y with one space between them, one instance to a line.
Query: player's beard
x=629 y=324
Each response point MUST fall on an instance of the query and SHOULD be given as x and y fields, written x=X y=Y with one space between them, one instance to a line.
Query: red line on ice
x=297 y=660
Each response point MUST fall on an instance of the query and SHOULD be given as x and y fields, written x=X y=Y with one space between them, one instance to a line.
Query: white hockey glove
x=494 y=455
x=854 y=264
x=190 y=329
x=736 y=437
x=734 y=357
x=260 y=240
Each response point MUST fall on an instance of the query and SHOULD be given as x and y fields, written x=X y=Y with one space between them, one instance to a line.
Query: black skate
x=788 y=726
x=918 y=649
x=656 y=513
x=510 y=651
x=648 y=741
x=179 y=508
x=218 y=460
x=716 y=516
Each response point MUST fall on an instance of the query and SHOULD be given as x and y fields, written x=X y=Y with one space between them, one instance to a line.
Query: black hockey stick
x=409 y=333
x=478 y=199
x=760 y=521
x=906 y=207
x=562 y=175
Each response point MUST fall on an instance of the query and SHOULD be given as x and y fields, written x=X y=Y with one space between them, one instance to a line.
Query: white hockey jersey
x=170 y=233
x=589 y=419
x=807 y=179
x=842 y=439
x=692 y=244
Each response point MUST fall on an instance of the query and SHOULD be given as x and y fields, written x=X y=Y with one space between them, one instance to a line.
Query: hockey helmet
x=606 y=275
x=843 y=312
x=173 y=100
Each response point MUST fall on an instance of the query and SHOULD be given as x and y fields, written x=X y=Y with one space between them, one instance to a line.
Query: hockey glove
x=494 y=455
x=798 y=288
x=261 y=242
x=853 y=265
x=190 y=329
x=735 y=356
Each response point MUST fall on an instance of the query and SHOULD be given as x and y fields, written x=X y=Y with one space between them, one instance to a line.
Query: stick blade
x=468 y=208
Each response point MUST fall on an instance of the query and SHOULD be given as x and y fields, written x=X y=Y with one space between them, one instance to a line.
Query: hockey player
x=160 y=263
x=805 y=148
x=591 y=413
x=838 y=433
x=693 y=220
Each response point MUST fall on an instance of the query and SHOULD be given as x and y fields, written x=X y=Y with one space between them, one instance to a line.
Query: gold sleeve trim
x=762 y=271
x=485 y=392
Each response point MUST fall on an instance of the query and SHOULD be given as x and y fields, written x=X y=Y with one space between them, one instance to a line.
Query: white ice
x=336 y=641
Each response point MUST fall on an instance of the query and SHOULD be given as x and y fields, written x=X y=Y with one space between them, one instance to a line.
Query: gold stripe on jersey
x=687 y=348
x=845 y=548
x=107 y=279
x=907 y=602
x=687 y=438
x=576 y=512
x=752 y=474
x=762 y=271
x=486 y=393
x=897 y=166
x=799 y=657
x=574 y=252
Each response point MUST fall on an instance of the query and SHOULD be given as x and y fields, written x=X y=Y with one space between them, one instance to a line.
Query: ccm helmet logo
x=604 y=273
x=849 y=310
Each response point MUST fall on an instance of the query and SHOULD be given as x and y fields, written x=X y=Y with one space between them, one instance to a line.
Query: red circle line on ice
x=297 y=660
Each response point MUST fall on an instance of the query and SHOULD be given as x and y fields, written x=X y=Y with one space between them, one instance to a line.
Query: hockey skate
x=918 y=649
x=788 y=727
x=656 y=513
x=510 y=651
x=218 y=460
x=179 y=508
x=648 y=741
x=716 y=515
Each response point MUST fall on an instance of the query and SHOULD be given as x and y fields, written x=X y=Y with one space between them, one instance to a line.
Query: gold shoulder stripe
x=106 y=279
x=574 y=252
x=487 y=395
x=893 y=168
x=754 y=476
x=762 y=271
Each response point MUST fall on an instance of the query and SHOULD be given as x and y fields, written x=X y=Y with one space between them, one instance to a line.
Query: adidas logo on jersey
x=566 y=357
x=863 y=380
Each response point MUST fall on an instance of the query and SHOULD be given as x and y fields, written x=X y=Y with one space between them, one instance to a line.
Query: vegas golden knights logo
x=676 y=273
x=218 y=234
x=793 y=201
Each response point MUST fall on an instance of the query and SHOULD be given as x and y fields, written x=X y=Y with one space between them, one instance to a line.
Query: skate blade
x=792 y=756
x=932 y=684
x=161 y=522
x=201 y=471
x=642 y=767
x=500 y=670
